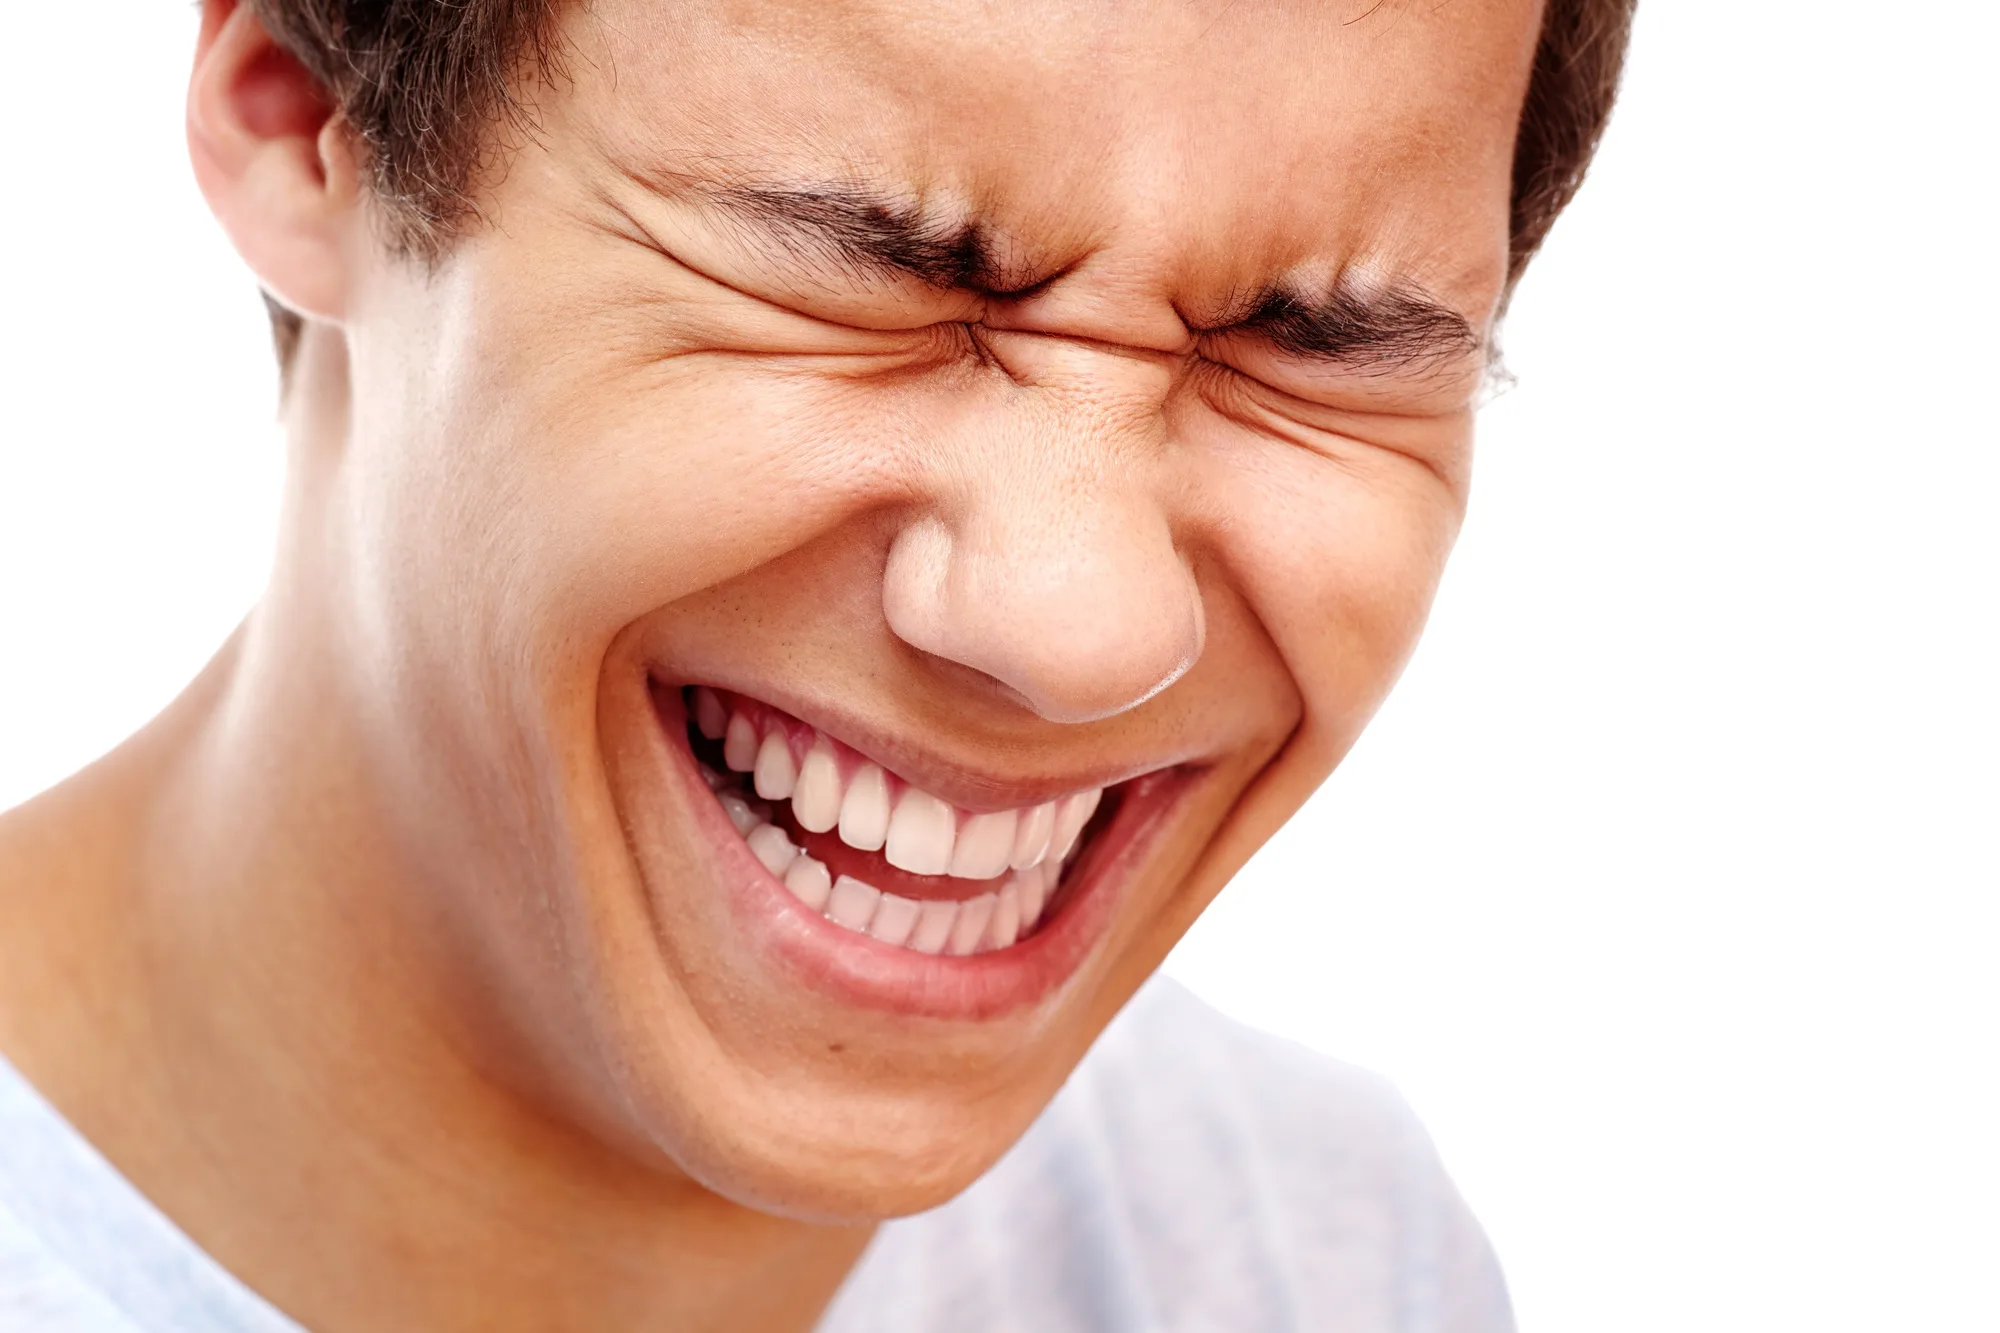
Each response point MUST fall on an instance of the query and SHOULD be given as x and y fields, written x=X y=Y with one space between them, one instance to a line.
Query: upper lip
x=972 y=785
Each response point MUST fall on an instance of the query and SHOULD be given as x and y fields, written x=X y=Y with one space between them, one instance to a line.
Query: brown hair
x=426 y=85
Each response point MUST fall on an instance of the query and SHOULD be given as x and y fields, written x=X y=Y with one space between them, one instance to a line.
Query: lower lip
x=857 y=970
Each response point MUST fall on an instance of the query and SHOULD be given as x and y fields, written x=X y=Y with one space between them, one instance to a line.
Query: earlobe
x=274 y=161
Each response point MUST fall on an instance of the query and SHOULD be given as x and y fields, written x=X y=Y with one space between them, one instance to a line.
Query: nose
x=1048 y=562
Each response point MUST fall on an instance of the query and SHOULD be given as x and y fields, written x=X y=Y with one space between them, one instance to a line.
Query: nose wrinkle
x=1083 y=623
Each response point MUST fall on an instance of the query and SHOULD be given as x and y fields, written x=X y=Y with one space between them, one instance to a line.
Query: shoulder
x=82 y=1251
x=1173 y=1067
x=1193 y=1174
x=39 y=1293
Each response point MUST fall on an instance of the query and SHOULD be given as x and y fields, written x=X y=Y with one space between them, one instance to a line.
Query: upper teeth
x=914 y=830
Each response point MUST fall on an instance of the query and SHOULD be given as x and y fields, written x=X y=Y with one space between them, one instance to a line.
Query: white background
x=1664 y=884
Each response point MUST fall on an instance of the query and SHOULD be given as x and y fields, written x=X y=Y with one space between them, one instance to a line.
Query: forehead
x=1197 y=149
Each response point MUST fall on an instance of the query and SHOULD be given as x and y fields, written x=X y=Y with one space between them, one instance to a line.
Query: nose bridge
x=1049 y=563
x=1077 y=365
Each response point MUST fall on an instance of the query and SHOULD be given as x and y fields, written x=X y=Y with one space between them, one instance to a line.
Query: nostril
x=971 y=680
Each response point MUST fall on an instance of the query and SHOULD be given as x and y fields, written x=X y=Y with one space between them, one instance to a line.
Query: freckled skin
x=394 y=912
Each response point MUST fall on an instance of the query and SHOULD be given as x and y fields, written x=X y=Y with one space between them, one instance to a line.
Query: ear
x=275 y=162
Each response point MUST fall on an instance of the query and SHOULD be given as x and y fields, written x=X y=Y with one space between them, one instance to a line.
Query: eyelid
x=800 y=302
x=1350 y=390
x=1350 y=411
x=772 y=300
x=1437 y=442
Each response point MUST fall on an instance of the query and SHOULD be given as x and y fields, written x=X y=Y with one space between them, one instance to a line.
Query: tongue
x=874 y=870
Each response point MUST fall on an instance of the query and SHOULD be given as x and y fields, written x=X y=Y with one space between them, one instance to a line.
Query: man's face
x=945 y=412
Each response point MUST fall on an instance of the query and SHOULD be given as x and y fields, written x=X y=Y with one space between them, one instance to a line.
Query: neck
x=215 y=962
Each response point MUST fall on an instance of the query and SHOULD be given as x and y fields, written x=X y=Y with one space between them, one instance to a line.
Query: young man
x=819 y=535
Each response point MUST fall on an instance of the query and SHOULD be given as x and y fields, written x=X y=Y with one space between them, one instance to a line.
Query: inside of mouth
x=875 y=854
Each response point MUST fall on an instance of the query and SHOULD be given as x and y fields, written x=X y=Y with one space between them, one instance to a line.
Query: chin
x=848 y=977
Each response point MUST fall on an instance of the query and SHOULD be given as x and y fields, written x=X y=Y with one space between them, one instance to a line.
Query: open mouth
x=876 y=854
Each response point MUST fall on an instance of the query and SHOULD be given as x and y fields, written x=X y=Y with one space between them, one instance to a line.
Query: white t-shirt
x=1193 y=1175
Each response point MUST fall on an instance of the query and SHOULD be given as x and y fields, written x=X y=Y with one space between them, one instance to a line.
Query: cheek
x=546 y=501
x=674 y=479
x=1339 y=560
x=558 y=462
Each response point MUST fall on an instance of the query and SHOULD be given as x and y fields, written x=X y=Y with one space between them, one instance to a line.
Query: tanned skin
x=396 y=962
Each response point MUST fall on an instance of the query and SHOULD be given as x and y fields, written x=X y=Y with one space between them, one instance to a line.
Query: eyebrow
x=870 y=234
x=1393 y=328
x=1376 y=329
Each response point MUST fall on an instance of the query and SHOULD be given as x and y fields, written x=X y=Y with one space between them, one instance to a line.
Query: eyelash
x=947 y=342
